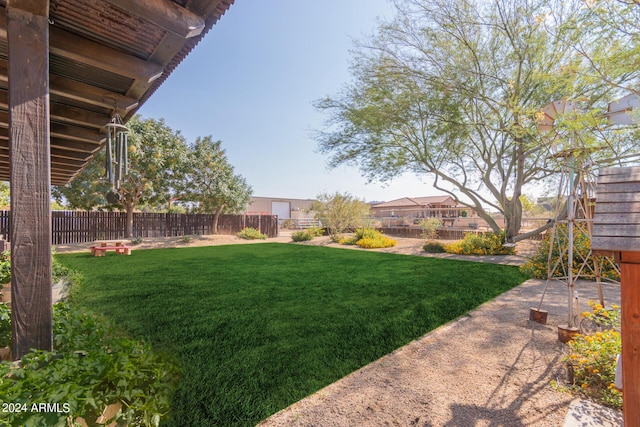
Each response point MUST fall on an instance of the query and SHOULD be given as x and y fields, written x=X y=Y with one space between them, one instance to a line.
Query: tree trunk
x=513 y=208
x=216 y=215
x=128 y=231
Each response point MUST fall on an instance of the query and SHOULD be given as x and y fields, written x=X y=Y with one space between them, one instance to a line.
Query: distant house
x=415 y=208
x=285 y=209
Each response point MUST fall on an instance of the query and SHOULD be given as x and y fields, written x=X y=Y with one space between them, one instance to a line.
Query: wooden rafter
x=165 y=14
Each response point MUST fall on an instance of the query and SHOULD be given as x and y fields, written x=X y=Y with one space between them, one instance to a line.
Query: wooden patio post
x=630 y=313
x=616 y=229
x=28 y=51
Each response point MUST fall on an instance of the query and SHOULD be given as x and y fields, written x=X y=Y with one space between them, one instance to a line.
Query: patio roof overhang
x=104 y=56
x=66 y=67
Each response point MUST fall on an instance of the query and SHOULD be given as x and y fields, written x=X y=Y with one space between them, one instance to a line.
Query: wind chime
x=116 y=163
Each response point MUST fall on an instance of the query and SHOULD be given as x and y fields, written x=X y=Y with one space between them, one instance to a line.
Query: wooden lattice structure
x=617 y=230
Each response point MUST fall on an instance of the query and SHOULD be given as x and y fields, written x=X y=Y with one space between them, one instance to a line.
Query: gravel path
x=492 y=367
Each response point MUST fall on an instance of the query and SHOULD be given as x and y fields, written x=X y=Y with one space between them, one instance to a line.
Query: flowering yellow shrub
x=593 y=357
x=376 y=242
x=480 y=244
x=536 y=266
x=369 y=238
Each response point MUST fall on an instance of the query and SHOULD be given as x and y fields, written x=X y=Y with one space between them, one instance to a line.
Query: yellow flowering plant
x=593 y=357
x=536 y=266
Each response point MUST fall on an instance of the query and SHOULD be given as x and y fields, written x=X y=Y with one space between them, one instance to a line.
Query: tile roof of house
x=414 y=202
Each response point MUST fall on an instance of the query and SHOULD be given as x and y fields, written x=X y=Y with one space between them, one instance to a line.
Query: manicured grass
x=258 y=327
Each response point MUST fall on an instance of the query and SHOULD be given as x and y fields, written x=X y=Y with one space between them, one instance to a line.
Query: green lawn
x=258 y=327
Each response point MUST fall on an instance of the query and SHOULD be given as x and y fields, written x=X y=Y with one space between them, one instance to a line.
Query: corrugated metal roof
x=105 y=53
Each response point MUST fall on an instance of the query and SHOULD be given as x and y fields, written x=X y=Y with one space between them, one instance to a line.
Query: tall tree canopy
x=454 y=90
x=157 y=162
x=211 y=181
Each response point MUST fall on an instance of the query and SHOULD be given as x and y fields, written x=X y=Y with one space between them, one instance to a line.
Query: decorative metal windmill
x=576 y=187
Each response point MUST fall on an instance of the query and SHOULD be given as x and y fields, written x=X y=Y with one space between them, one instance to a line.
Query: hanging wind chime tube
x=117 y=147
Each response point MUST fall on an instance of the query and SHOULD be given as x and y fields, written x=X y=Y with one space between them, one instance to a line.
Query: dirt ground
x=492 y=367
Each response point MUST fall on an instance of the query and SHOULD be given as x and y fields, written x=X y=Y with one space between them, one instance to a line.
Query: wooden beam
x=78 y=91
x=82 y=50
x=70 y=134
x=165 y=14
x=36 y=7
x=630 y=317
x=77 y=146
x=70 y=46
x=77 y=116
x=28 y=49
x=75 y=133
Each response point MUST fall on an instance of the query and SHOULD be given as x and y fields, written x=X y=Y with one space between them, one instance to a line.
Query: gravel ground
x=492 y=367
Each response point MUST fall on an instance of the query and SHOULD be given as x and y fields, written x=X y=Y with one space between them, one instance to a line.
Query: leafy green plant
x=251 y=234
x=315 y=231
x=433 y=247
x=5 y=325
x=136 y=240
x=429 y=227
x=593 y=357
x=536 y=266
x=186 y=239
x=480 y=244
x=5 y=267
x=93 y=365
x=301 y=236
x=339 y=212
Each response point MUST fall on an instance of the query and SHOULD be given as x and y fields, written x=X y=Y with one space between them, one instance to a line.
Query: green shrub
x=368 y=238
x=480 y=244
x=593 y=358
x=136 y=240
x=301 y=236
x=536 y=266
x=186 y=239
x=315 y=231
x=92 y=366
x=251 y=234
x=5 y=267
x=58 y=271
x=433 y=247
x=429 y=227
x=5 y=325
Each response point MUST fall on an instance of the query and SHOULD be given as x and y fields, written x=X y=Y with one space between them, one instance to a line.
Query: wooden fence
x=81 y=226
x=443 y=233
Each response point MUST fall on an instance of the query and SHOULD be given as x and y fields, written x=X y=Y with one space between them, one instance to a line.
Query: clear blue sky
x=251 y=84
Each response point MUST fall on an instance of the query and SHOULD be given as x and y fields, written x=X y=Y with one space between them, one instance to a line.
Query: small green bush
x=301 y=236
x=5 y=325
x=315 y=231
x=433 y=247
x=186 y=239
x=480 y=244
x=5 y=267
x=251 y=234
x=136 y=240
x=593 y=358
x=429 y=227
